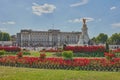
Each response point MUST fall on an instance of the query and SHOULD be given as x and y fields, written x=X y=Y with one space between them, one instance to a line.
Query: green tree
x=4 y=36
x=101 y=38
x=7 y=37
x=0 y=36
x=114 y=39
x=107 y=47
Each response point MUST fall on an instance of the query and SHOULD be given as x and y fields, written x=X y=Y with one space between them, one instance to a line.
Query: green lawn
x=12 y=73
x=37 y=54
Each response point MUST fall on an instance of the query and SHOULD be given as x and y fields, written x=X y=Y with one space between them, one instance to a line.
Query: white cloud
x=113 y=8
x=83 y=2
x=75 y=21
x=78 y=20
x=116 y=25
x=41 y=9
x=3 y=29
x=9 y=22
x=35 y=4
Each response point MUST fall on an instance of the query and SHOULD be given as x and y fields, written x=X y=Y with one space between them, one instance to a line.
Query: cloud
x=78 y=20
x=116 y=25
x=9 y=22
x=83 y=2
x=75 y=21
x=42 y=9
x=35 y=4
x=113 y=8
x=3 y=29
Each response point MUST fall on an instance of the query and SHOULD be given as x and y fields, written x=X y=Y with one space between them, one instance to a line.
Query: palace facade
x=50 y=38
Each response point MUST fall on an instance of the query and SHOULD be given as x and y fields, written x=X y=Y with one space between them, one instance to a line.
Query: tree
x=0 y=36
x=102 y=38
x=93 y=39
x=107 y=47
x=7 y=37
x=114 y=39
x=4 y=36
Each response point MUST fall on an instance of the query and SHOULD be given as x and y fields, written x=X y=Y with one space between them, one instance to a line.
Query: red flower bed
x=19 y=54
x=116 y=50
x=42 y=55
x=10 y=49
x=60 y=63
x=85 y=48
x=109 y=54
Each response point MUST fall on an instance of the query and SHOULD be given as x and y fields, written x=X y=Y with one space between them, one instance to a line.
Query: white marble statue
x=84 y=38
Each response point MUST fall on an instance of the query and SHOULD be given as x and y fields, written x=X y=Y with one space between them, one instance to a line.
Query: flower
x=42 y=55
x=19 y=54
x=109 y=56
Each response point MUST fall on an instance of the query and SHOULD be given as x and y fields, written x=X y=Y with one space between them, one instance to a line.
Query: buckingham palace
x=50 y=38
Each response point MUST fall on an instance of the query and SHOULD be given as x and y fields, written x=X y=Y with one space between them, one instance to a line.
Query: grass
x=13 y=73
x=37 y=54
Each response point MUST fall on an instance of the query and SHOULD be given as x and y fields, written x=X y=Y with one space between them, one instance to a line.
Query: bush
x=67 y=54
x=2 y=52
x=26 y=53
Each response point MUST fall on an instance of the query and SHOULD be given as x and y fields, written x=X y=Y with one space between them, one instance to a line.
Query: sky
x=103 y=16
